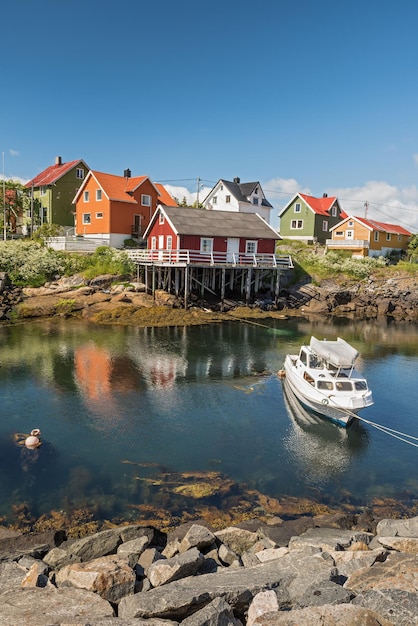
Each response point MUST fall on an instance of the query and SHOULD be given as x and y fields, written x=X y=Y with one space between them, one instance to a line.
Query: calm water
x=116 y=405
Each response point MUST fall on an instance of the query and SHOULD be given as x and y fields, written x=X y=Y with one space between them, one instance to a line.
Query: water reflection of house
x=159 y=355
x=99 y=374
x=159 y=369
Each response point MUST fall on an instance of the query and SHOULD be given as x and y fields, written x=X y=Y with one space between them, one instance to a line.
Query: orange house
x=364 y=237
x=115 y=208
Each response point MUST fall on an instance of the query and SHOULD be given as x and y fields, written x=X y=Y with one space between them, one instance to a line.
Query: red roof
x=163 y=196
x=383 y=227
x=53 y=173
x=118 y=187
x=321 y=206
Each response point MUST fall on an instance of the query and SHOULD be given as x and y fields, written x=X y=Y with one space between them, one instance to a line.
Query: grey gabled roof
x=187 y=221
x=241 y=191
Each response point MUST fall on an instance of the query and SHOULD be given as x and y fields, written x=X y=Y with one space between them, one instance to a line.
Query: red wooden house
x=210 y=252
x=115 y=208
x=210 y=236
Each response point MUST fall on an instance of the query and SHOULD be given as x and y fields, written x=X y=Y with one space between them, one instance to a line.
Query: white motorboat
x=324 y=379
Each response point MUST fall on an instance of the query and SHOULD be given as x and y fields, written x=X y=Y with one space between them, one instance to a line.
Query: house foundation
x=244 y=282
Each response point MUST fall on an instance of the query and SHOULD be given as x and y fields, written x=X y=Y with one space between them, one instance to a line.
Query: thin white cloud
x=14 y=153
x=181 y=193
x=415 y=158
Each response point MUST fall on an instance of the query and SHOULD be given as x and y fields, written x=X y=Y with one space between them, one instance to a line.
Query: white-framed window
x=221 y=187
x=351 y=223
x=255 y=200
x=169 y=242
x=161 y=218
x=153 y=243
x=376 y=236
x=214 y=200
x=349 y=234
x=251 y=246
x=79 y=173
x=324 y=226
x=99 y=216
x=145 y=199
x=296 y=224
x=86 y=218
x=334 y=211
x=86 y=196
x=399 y=237
x=339 y=233
x=206 y=245
x=227 y=199
x=42 y=191
x=388 y=236
x=298 y=207
x=98 y=194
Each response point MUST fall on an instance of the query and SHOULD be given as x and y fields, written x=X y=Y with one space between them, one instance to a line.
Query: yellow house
x=364 y=237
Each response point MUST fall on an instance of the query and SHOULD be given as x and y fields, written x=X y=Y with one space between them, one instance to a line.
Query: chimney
x=127 y=173
x=58 y=160
x=237 y=180
x=325 y=195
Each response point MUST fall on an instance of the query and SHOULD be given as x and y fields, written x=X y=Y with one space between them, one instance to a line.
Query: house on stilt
x=217 y=253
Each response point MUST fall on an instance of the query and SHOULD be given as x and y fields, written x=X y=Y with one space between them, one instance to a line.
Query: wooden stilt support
x=277 y=289
x=248 y=287
x=186 y=286
x=222 y=288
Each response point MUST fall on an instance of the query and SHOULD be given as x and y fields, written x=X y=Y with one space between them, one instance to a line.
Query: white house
x=238 y=197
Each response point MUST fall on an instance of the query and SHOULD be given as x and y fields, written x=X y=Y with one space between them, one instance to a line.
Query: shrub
x=28 y=263
x=107 y=260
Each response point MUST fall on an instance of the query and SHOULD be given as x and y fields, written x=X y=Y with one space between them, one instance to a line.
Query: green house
x=310 y=219
x=52 y=192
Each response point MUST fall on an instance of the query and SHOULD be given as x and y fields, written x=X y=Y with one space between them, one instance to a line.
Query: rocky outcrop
x=395 y=297
x=10 y=296
x=196 y=575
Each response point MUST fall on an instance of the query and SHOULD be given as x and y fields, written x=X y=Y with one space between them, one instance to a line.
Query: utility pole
x=197 y=195
x=366 y=208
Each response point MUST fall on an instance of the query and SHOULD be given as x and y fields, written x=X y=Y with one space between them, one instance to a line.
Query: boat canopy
x=338 y=353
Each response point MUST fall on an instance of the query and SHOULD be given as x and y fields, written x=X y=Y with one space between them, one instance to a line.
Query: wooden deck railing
x=195 y=257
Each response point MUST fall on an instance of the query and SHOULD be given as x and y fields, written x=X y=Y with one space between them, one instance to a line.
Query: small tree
x=12 y=199
x=413 y=245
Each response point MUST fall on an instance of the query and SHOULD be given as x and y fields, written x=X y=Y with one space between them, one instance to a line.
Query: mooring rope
x=396 y=434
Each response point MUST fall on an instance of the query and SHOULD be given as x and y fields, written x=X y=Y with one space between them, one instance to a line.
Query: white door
x=160 y=246
x=232 y=249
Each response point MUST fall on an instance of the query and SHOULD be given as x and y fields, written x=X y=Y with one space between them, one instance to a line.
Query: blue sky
x=301 y=95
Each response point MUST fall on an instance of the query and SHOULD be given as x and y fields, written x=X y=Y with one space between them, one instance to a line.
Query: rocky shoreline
x=331 y=569
x=116 y=299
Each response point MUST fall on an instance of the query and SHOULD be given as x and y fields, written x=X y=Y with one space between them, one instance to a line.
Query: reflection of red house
x=116 y=208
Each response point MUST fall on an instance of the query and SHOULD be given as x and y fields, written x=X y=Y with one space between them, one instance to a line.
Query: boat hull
x=333 y=414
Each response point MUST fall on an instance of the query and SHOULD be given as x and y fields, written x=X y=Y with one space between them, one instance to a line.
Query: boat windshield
x=360 y=385
x=314 y=362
